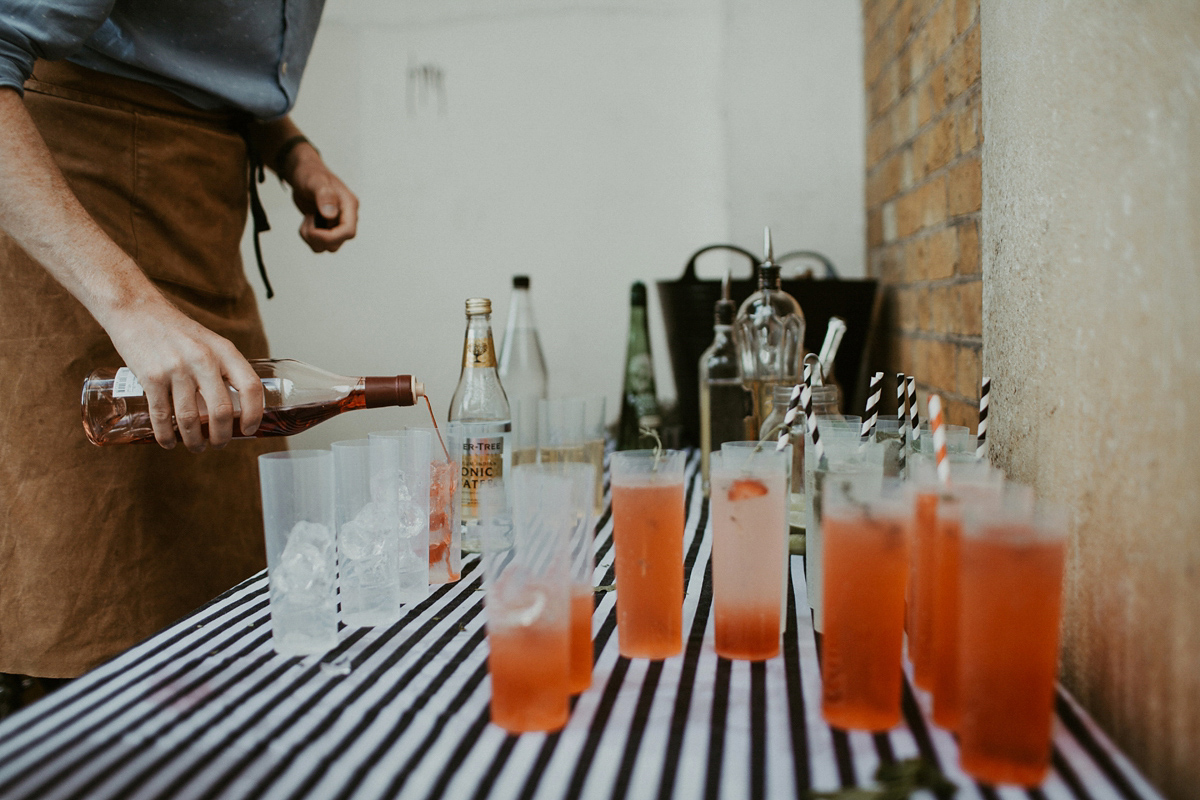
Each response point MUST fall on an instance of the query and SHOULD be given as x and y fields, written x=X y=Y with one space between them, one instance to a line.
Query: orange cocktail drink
x=932 y=591
x=866 y=575
x=944 y=619
x=529 y=668
x=920 y=590
x=977 y=488
x=749 y=518
x=527 y=578
x=648 y=513
x=1011 y=598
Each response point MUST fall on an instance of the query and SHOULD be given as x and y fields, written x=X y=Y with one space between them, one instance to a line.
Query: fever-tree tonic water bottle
x=480 y=404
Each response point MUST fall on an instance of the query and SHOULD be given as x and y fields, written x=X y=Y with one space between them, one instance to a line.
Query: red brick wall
x=924 y=193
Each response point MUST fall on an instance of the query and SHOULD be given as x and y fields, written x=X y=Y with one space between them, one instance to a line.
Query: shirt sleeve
x=33 y=29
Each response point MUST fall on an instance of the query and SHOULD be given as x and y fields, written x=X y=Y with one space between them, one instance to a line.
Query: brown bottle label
x=478 y=351
x=482 y=461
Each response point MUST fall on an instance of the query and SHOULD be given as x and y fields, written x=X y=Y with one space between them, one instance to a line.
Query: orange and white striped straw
x=937 y=423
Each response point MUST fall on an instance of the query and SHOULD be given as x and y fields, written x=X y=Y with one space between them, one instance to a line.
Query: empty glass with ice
x=298 y=521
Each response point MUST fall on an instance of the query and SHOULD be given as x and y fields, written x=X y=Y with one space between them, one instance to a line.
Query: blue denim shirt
x=216 y=54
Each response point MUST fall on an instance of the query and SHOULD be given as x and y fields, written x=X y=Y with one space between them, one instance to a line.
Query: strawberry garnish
x=746 y=489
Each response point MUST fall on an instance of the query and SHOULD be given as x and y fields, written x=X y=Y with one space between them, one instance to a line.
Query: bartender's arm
x=173 y=356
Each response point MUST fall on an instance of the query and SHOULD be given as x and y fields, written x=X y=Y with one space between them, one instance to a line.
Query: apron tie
x=259 y=215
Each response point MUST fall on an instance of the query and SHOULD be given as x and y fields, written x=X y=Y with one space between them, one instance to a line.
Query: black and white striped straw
x=872 y=415
x=810 y=420
x=981 y=439
x=785 y=435
x=914 y=416
x=902 y=419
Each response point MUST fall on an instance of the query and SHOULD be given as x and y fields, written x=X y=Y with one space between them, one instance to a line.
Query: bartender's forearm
x=40 y=213
x=175 y=358
x=270 y=138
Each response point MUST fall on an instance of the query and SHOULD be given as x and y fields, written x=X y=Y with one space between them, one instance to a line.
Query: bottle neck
x=479 y=352
x=520 y=311
x=639 y=338
x=394 y=390
x=769 y=278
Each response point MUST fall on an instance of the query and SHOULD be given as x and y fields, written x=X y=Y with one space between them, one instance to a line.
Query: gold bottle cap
x=478 y=305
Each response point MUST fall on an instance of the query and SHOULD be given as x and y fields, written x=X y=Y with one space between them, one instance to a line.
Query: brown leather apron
x=101 y=547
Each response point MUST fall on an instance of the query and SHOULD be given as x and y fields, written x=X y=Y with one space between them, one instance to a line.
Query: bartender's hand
x=174 y=358
x=178 y=361
x=330 y=209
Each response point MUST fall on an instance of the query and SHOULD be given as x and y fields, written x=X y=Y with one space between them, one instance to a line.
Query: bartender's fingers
x=219 y=405
x=250 y=391
x=187 y=411
x=336 y=220
x=158 y=397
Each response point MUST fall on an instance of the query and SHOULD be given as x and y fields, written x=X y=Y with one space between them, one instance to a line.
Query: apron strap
x=257 y=213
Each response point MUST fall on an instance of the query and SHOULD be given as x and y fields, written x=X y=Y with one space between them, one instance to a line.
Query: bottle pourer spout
x=418 y=388
x=768 y=249
x=726 y=286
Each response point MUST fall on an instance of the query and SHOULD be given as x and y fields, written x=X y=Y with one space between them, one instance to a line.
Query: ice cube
x=358 y=541
x=412 y=520
x=307 y=561
x=514 y=601
x=402 y=492
x=412 y=562
x=376 y=516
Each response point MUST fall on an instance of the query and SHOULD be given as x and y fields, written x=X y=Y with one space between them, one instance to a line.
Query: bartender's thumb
x=327 y=202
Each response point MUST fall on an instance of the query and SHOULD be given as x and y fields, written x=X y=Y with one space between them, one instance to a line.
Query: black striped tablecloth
x=206 y=709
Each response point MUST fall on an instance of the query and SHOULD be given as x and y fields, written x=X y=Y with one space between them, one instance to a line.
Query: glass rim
x=767 y=461
x=297 y=455
x=401 y=433
x=352 y=443
x=630 y=454
x=893 y=497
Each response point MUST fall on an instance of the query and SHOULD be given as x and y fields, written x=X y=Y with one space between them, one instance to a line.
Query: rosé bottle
x=296 y=396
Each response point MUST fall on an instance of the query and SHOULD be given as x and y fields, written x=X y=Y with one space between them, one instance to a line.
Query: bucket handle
x=689 y=272
x=830 y=272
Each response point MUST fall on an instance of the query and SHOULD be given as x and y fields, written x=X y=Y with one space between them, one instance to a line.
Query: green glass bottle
x=639 y=401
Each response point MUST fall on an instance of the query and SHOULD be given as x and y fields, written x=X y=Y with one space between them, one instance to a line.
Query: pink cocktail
x=749 y=516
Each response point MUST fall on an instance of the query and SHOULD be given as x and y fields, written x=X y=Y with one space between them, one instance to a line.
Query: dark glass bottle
x=639 y=400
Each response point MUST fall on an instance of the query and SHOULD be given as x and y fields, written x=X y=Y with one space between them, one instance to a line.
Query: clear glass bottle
x=769 y=333
x=479 y=402
x=296 y=396
x=825 y=405
x=639 y=398
x=723 y=406
x=522 y=365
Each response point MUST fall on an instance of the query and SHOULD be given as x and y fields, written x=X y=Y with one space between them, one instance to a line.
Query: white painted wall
x=588 y=143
